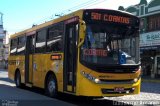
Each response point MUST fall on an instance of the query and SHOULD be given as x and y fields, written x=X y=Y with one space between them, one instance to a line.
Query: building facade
x=149 y=13
x=3 y=50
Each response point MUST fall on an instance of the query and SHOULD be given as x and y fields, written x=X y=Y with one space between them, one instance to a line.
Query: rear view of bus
x=109 y=56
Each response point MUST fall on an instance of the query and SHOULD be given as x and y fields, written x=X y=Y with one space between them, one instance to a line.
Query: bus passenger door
x=70 y=57
x=29 y=59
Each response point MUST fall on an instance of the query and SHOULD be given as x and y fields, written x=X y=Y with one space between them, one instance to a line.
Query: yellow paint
x=31 y=68
x=16 y=62
x=87 y=88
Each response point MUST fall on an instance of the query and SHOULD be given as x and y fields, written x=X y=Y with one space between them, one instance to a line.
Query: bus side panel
x=21 y=67
x=30 y=68
x=56 y=66
x=38 y=67
x=11 y=67
x=16 y=62
x=42 y=64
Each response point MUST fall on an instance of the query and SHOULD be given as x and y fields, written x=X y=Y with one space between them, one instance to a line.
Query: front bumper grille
x=106 y=81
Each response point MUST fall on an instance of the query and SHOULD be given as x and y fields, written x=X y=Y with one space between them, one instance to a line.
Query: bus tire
x=51 y=86
x=18 y=80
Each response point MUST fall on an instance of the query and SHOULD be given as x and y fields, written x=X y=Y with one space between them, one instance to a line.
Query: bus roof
x=125 y=12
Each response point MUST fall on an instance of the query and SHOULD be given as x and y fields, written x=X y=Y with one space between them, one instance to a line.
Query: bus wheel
x=18 y=79
x=51 y=87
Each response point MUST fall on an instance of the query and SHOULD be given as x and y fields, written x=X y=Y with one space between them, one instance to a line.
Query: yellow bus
x=90 y=52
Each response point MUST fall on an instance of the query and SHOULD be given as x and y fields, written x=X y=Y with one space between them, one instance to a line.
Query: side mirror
x=82 y=32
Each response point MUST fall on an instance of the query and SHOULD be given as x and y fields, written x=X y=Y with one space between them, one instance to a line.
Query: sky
x=22 y=14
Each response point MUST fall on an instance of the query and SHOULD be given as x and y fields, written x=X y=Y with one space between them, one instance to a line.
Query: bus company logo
x=9 y=103
x=56 y=66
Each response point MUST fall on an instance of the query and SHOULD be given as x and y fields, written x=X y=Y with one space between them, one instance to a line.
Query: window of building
x=142 y=10
x=142 y=24
x=54 y=38
x=41 y=41
x=154 y=23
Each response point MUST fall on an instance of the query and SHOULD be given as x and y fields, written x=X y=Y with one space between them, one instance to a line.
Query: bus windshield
x=110 y=45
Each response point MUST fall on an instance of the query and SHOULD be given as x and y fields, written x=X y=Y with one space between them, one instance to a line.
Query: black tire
x=51 y=86
x=18 y=80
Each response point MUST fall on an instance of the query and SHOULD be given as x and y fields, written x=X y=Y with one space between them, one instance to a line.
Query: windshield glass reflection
x=110 y=45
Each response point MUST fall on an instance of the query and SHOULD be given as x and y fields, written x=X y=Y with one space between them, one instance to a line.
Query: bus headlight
x=90 y=77
x=135 y=80
x=97 y=80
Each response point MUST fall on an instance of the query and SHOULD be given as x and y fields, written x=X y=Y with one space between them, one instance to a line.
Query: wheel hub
x=51 y=86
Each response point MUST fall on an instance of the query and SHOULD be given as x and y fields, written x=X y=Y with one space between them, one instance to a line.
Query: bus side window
x=13 y=48
x=41 y=41
x=54 y=38
x=32 y=44
x=21 y=45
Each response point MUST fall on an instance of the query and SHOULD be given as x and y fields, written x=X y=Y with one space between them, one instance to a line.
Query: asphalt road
x=12 y=96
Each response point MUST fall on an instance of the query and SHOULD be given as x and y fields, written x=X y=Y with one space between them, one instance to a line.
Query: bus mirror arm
x=82 y=32
x=80 y=43
x=82 y=24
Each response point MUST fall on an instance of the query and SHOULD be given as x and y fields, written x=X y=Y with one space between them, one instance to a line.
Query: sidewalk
x=149 y=79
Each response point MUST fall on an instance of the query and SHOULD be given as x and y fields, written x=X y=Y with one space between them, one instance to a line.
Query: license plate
x=118 y=89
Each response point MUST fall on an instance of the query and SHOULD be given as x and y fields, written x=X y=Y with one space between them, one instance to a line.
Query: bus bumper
x=89 y=88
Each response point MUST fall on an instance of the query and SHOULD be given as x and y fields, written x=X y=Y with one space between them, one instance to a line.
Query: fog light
x=127 y=91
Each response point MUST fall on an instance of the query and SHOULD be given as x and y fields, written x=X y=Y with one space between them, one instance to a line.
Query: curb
x=151 y=80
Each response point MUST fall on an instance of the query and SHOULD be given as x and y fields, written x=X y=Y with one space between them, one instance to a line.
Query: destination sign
x=95 y=52
x=110 y=18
